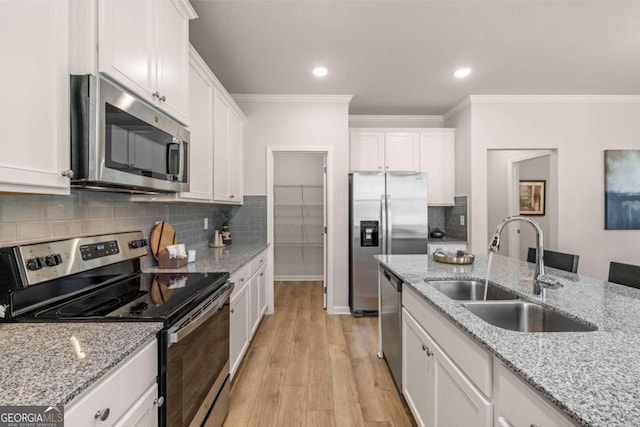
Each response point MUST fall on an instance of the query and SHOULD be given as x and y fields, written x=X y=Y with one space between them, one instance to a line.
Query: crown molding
x=465 y=103
x=242 y=97
x=185 y=8
x=487 y=99
x=394 y=118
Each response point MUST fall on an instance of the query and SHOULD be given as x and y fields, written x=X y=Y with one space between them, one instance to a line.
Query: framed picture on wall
x=532 y=197
x=622 y=189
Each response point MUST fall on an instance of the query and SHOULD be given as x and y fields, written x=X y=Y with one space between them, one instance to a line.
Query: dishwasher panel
x=391 y=323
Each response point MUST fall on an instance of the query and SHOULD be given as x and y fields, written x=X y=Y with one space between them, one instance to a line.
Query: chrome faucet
x=541 y=282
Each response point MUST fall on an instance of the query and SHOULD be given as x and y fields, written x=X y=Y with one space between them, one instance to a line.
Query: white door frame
x=328 y=151
x=513 y=186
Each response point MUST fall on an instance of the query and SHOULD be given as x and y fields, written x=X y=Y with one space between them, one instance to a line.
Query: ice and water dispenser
x=368 y=233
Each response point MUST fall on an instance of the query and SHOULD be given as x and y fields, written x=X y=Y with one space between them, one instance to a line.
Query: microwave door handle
x=178 y=335
x=173 y=159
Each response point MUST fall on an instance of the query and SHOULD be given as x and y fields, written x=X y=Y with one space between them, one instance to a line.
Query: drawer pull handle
x=102 y=415
x=429 y=352
x=424 y=347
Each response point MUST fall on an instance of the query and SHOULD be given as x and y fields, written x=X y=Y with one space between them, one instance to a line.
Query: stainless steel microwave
x=121 y=143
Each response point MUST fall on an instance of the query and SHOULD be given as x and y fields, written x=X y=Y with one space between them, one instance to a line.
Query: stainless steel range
x=98 y=278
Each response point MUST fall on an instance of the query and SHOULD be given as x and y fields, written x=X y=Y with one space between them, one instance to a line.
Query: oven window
x=136 y=147
x=194 y=364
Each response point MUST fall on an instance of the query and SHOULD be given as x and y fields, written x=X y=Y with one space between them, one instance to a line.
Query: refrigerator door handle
x=383 y=224
x=389 y=223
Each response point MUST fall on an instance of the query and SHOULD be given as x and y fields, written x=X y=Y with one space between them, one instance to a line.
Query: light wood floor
x=306 y=368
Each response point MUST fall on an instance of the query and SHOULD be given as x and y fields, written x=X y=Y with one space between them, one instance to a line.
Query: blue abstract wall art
x=622 y=189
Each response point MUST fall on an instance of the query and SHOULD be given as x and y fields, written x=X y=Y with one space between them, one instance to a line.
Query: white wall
x=304 y=122
x=298 y=168
x=581 y=128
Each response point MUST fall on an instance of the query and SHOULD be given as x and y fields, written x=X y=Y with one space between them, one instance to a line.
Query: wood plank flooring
x=306 y=368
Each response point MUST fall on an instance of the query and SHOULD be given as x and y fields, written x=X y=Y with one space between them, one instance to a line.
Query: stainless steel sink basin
x=525 y=316
x=471 y=290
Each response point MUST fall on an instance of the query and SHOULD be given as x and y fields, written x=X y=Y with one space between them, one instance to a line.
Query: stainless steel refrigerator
x=388 y=214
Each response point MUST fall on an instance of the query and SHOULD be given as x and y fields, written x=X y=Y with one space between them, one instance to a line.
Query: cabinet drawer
x=474 y=361
x=258 y=262
x=239 y=278
x=118 y=391
x=517 y=404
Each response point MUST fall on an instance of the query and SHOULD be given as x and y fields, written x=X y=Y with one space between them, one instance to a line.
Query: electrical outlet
x=158 y=222
x=461 y=219
x=206 y=223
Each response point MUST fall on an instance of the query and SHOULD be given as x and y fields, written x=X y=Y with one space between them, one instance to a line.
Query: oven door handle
x=177 y=335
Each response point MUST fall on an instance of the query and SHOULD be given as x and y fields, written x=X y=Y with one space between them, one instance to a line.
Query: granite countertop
x=594 y=377
x=40 y=366
x=208 y=260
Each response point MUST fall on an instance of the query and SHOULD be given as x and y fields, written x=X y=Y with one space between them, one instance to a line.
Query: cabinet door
x=402 y=151
x=201 y=129
x=239 y=328
x=144 y=412
x=457 y=401
x=126 y=36
x=236 y=159
x=221 y=155
x=172 y=60
x=437 y=159
x=34 y=113
x=417 y=372
x=367 y=151
x=262 y=291
x=254 y=305
x=516 y=404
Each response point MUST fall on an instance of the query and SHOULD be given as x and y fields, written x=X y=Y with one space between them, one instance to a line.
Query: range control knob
x=138 y=243
x=35 y=263
x=53 y=260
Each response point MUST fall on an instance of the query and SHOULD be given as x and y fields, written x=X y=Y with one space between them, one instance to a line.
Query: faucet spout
x=540 y=281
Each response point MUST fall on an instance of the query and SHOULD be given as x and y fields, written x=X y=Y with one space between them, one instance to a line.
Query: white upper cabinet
x=228 y=137
x=402 y=151
x=34 y=114
x=367 y=151
x=381 y=151
x=142 y=44
x=437 y=159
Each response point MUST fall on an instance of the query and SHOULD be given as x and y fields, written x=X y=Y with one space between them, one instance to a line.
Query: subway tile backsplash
x=30 y=218
x=447 y=218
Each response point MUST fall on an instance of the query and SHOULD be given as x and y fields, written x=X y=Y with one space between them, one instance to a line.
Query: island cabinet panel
x=517 y=404
x=436 y=390
x=472 y=359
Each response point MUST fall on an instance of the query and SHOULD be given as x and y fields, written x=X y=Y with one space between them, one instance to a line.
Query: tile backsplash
x=447 y=218
x=30 y=218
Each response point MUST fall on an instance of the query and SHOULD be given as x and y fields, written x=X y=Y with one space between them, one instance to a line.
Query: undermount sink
x=471 y=290
x=524 y=316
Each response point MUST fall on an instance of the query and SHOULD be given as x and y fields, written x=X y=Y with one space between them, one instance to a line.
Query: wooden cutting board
x=162 y=235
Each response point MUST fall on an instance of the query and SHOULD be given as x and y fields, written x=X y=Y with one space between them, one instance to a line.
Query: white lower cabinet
x=517 y=405
x=126 y=397
x=437 y=391
x=248 y=304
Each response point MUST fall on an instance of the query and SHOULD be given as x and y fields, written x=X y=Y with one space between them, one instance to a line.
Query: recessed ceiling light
x=462 y=73
x=320 y=71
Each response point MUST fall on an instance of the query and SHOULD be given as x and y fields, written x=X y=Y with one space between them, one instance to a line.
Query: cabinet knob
x=163 y=98
x=156 y=94
x=233 y=310
x=262 y=274
x=231 y=196
x=158 y=401
x=429 y=352
x=424 y=347
x=102 y=415
x=68 y=174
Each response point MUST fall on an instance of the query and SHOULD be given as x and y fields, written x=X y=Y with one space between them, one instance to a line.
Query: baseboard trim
x=341 y=309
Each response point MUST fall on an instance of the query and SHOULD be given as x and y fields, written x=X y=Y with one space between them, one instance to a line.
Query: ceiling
x=397 y=57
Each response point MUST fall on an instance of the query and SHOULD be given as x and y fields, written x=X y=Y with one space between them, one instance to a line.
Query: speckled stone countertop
x=227 y=259
x=39 y=365
x=594 y=377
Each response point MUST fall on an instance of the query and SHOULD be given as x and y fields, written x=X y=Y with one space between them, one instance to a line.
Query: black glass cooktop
x=166 y=297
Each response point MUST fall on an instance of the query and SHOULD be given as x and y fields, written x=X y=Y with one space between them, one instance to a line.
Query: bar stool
x=624 y=274
x=559 y=260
